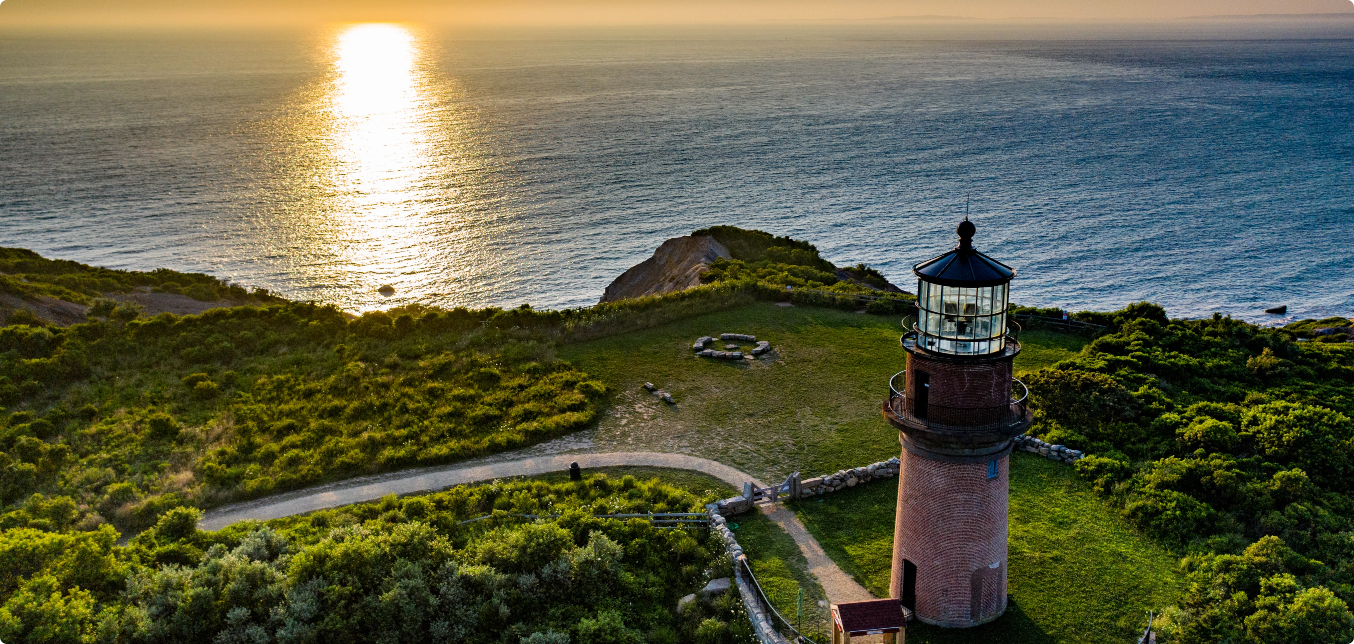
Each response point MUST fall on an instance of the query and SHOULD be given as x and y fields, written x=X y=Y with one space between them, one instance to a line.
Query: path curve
x=837 y=585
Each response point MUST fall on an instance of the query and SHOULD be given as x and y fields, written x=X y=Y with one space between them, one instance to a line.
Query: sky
x=566 y=12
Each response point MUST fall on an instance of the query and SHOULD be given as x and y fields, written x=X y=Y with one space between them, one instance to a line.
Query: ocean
x=1208 y=175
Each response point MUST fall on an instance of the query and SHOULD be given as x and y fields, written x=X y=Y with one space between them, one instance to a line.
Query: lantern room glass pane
x=962 y=320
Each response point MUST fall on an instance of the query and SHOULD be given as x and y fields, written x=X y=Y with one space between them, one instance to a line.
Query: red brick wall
x=951 y=524
x=962 y=385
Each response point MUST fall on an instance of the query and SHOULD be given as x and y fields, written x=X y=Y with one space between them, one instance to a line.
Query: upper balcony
x=957 y=430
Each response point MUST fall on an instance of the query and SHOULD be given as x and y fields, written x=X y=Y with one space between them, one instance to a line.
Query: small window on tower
x=991 y=469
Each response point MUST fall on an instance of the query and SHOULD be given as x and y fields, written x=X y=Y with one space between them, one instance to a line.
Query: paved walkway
x=837 y=585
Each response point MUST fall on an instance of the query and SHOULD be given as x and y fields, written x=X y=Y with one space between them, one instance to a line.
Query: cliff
x=676 y=266
x=679 y=263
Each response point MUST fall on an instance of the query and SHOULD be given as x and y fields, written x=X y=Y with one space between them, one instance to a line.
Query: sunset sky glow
x=564 y=12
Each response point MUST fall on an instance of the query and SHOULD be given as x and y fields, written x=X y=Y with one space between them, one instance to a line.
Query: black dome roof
x=964 y=266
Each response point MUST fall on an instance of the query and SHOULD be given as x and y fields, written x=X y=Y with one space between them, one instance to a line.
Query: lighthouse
x=957 y=407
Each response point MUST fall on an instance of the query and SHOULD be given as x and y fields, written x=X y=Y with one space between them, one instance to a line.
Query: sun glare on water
x=381 y=137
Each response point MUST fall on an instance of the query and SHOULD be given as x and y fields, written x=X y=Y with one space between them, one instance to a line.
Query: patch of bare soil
x=55 y=311
x=63 y=313
x=157 y=303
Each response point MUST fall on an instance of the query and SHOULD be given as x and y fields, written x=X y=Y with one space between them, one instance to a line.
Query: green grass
x=1041 y=348
x=782 y=572
x=813 y=405
x=1078 y=573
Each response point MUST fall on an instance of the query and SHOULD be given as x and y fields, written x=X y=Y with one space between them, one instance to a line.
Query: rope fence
x=799 y=637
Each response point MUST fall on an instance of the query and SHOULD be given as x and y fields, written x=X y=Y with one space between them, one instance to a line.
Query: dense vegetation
x=128 y=419
x=1234 y=443
x=402 y=570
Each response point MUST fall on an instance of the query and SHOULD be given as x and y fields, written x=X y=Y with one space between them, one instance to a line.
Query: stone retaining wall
x=1058 y=453
x=761 y=620
x=848 y=478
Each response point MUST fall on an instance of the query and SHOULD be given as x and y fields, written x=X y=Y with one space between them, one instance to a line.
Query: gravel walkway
x=837 y=585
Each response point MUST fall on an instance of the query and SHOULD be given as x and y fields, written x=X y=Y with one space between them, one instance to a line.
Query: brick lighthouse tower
x=956 y=407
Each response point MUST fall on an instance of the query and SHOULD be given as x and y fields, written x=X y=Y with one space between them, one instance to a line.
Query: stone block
x=740 y=337
x=715 y=587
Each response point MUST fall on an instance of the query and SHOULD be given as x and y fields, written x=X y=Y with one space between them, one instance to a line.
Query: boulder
x=715 y=587
x=685 y=602
x=738 y=336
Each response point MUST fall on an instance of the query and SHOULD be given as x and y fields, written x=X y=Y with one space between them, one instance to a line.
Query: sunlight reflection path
x=381 y=137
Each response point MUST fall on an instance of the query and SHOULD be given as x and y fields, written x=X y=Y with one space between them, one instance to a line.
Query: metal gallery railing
x=947 y=417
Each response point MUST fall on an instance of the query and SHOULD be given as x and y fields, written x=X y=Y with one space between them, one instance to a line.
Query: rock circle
x=763 y=346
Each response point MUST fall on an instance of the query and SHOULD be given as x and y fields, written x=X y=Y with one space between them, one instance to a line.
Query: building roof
x=964 y=266
x=875 y=615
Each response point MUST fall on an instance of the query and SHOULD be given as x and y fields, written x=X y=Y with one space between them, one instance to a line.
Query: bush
x=162 y=425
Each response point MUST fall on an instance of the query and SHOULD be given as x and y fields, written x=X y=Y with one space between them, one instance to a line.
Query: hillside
x=37 y=290
x=1223 y=444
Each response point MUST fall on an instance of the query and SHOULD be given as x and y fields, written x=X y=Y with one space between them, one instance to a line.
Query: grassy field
x=1040 y=348
x=811 y=405
x=1078 y=574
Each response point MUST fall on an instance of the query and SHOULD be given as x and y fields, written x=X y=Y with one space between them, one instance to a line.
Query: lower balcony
x=907 y=413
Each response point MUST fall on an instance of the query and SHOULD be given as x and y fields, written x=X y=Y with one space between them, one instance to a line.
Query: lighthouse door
x=909 y=594
x=922 y=394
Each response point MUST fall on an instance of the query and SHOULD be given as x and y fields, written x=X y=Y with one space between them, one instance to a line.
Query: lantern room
x=961 y=300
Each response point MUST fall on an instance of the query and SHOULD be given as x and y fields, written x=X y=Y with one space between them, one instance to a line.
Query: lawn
x=1078 y=573
x=811 y=405
x=1041 y=348
x=782 y=571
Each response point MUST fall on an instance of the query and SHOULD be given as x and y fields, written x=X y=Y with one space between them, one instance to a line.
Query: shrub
x=205 y=390
x=162 y=425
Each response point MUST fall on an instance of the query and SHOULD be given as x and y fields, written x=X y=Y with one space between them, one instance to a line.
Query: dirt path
x=837 y=585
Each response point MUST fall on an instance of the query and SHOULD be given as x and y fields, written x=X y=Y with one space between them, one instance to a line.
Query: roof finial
x=966 y=229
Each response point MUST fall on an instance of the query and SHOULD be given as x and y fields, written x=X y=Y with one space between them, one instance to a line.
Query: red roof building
x=879 y=617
